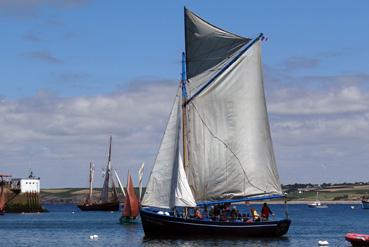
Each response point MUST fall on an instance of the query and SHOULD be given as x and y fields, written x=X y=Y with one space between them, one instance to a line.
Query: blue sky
x=87 y=48
x=70 y=69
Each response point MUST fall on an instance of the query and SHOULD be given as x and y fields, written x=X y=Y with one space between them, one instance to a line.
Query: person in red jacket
x=198 y=214
x=265 y=212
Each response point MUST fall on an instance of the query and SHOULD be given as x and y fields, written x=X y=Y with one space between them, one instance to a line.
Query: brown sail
x=131 y=205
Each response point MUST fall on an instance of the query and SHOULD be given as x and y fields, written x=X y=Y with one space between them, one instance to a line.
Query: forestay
x=230 y=147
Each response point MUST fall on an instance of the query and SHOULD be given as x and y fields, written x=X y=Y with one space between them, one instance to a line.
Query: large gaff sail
x=161 y=190
x=131 y=207
x=207 y=48
x=230 y=146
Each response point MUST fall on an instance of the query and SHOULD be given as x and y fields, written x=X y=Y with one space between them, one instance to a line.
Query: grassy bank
x=332 y=194
x=71 y=195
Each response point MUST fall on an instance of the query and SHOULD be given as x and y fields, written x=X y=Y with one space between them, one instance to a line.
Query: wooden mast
x=114 y=189
x=105 y=189
x=91 y=181
x=184 y=112
x=184 y=119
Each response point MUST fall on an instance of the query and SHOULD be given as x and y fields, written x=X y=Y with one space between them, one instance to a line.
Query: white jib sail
x=183 y=196
x=140 y=176
x=161 y=188
x=230 y=146
x=119 y=182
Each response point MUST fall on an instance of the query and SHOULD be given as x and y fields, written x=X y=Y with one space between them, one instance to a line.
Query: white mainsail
x=161 y=190
x=230 y=147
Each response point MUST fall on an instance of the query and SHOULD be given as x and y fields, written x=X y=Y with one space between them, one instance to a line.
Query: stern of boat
x=282 y=227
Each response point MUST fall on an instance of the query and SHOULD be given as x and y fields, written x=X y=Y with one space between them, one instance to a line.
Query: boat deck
x=155 y=223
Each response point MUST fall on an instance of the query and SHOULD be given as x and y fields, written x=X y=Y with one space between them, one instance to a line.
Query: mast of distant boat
x=317 y=196
x=91 y=181
x=105 y=189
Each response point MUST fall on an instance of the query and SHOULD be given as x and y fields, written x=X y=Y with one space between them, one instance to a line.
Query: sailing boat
x=131 y=205
x=317 y=203
x=105 y=203
x=220 y=114
x=365 y=203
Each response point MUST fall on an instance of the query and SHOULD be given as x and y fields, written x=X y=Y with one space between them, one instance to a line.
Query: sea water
x=65 y=225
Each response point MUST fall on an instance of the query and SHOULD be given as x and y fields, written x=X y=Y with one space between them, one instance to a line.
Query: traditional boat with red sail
x=131 y=207
x=220 y=114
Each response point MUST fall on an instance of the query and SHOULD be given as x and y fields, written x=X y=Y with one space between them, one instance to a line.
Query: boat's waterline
x=155 y=224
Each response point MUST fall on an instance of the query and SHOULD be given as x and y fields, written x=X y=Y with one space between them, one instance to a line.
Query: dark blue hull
x=108 y=206
x=156 y=225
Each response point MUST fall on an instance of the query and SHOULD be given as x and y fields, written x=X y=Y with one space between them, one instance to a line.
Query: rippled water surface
x=65 y=225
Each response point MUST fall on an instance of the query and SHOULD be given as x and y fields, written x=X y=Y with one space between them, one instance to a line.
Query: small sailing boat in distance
x=365 y=202
x=131 y=207
x=228 y=157
x=105 y=203
x=317 y=203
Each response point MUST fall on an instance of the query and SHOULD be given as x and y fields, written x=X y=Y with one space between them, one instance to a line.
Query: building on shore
x=26 y=185
x=24 y=195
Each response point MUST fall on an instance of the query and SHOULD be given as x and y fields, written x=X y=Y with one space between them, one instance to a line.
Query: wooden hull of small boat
x=128 y=220
x=109 y=206
x=156 y=225
x=357 y=239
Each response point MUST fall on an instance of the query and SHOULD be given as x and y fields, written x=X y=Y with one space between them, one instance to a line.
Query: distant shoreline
x=309 y=202
x=333 y=196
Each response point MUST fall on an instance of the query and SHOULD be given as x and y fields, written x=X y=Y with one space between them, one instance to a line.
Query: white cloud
x=54 y=135
x=341 y=100
x=318 y=135
x=323 y=126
